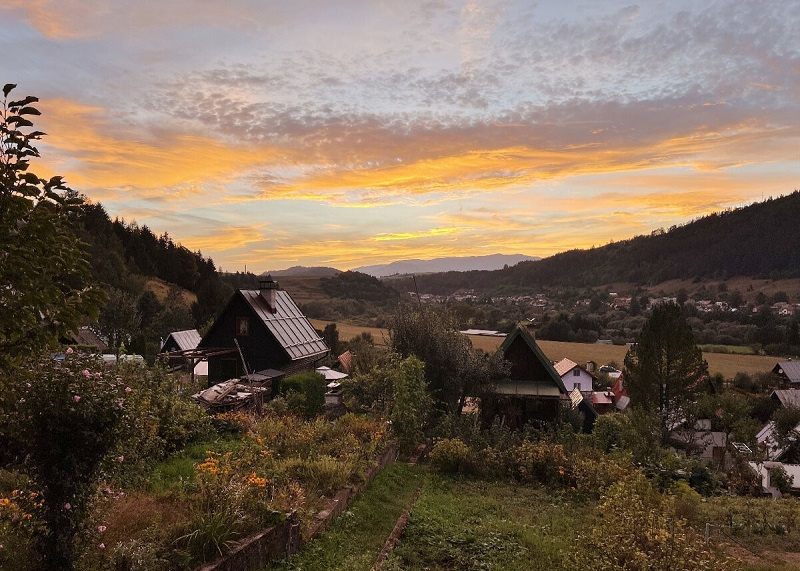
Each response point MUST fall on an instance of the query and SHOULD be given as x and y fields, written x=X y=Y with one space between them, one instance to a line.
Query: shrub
x=412 y=403
x=780 y=479
x=609 y=431
x=540 y=462
x=450 y=456
x=64 y=417
x=645 y=534
x=592 y=474
x=309 y=389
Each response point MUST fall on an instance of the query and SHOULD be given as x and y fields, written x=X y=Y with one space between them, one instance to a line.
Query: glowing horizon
x=363 y=133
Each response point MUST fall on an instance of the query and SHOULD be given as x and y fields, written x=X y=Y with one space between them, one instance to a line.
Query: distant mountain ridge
x=761 y=240
x=450 y=264
x=303 y=271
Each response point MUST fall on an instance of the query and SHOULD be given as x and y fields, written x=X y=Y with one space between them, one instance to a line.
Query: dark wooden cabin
x=533 y=391
x=271 y=331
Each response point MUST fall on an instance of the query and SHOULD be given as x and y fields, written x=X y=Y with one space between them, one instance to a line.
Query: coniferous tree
x=664 y=369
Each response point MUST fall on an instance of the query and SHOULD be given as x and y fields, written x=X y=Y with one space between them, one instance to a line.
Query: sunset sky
x=349 y=133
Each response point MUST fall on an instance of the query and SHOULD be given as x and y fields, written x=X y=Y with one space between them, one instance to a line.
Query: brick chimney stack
x=267 y=288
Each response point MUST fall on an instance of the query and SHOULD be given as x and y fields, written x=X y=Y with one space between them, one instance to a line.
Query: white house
x=574 y=376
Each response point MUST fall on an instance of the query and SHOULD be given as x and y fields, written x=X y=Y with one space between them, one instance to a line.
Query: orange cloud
x=226 y=238
x=415 y=235
x=163 y=165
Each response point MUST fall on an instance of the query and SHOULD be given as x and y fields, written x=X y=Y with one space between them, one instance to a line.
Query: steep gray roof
x=288 y=324
x=188 y=339
x=787 y=397
x=791 y=369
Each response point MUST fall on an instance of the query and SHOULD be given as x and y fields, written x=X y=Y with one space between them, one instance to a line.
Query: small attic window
x=576 y=372
x=242 y=327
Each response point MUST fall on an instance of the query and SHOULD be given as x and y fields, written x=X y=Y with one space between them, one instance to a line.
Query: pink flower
x=67 y=506
x=98 y=375
x=128 y=389
x=76 y=398
x=101 y=528
x=86 y=373
x=102 y=546
x=120 y=458
x=69 y=350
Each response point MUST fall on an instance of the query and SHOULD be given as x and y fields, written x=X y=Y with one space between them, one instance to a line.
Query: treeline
x=759 y=240
x=123 y=255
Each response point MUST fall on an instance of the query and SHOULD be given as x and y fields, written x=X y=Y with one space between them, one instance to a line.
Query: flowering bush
x=64 y=417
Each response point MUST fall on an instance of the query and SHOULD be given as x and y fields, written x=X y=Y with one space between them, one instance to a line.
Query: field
x=727 y=364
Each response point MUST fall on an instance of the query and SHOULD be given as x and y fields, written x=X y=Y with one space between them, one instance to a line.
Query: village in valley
x=485 y=285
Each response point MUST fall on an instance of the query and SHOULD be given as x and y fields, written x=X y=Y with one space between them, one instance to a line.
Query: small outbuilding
x=789 y=371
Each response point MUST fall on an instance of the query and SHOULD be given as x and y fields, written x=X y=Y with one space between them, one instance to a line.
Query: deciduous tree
x=45 y=276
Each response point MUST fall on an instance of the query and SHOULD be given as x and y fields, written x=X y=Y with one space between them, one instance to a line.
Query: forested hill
x=761 y=240
x=123 y=254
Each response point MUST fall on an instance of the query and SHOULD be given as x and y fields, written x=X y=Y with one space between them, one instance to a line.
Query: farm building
x=789 y=371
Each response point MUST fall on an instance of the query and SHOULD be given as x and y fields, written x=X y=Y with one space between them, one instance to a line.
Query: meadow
x=726 y=363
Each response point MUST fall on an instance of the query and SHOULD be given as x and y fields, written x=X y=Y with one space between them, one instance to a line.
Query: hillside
x=757 y=241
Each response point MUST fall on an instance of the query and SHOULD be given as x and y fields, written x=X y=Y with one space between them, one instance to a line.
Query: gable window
x=576 y=372
x=242 y=327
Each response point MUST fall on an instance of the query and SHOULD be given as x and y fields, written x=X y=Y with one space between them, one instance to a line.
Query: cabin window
x=242 y=327
x=576 y=372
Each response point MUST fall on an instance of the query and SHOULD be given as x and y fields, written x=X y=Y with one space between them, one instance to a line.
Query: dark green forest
x=761 y=240
x=122 y=256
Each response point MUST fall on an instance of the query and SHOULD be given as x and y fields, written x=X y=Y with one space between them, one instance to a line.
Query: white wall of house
x=582 y=380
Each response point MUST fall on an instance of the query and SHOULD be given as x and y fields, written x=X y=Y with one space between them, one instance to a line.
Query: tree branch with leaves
x=45 y=278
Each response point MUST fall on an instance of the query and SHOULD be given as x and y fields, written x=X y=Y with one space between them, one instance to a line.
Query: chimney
x=266 y=289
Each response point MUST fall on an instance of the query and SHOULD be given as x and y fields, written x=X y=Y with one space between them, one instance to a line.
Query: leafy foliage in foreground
x=44 y=271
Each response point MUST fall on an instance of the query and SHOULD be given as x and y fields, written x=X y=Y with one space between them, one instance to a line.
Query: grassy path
x=356 y=538
x=456 y=524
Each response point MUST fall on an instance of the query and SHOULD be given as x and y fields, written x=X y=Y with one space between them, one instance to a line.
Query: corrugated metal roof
x=601 y=398
x=288 y=324
x=576 y=397
x=791 y=369
x=188 y=339
x=788 y=397
x=564 y=366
